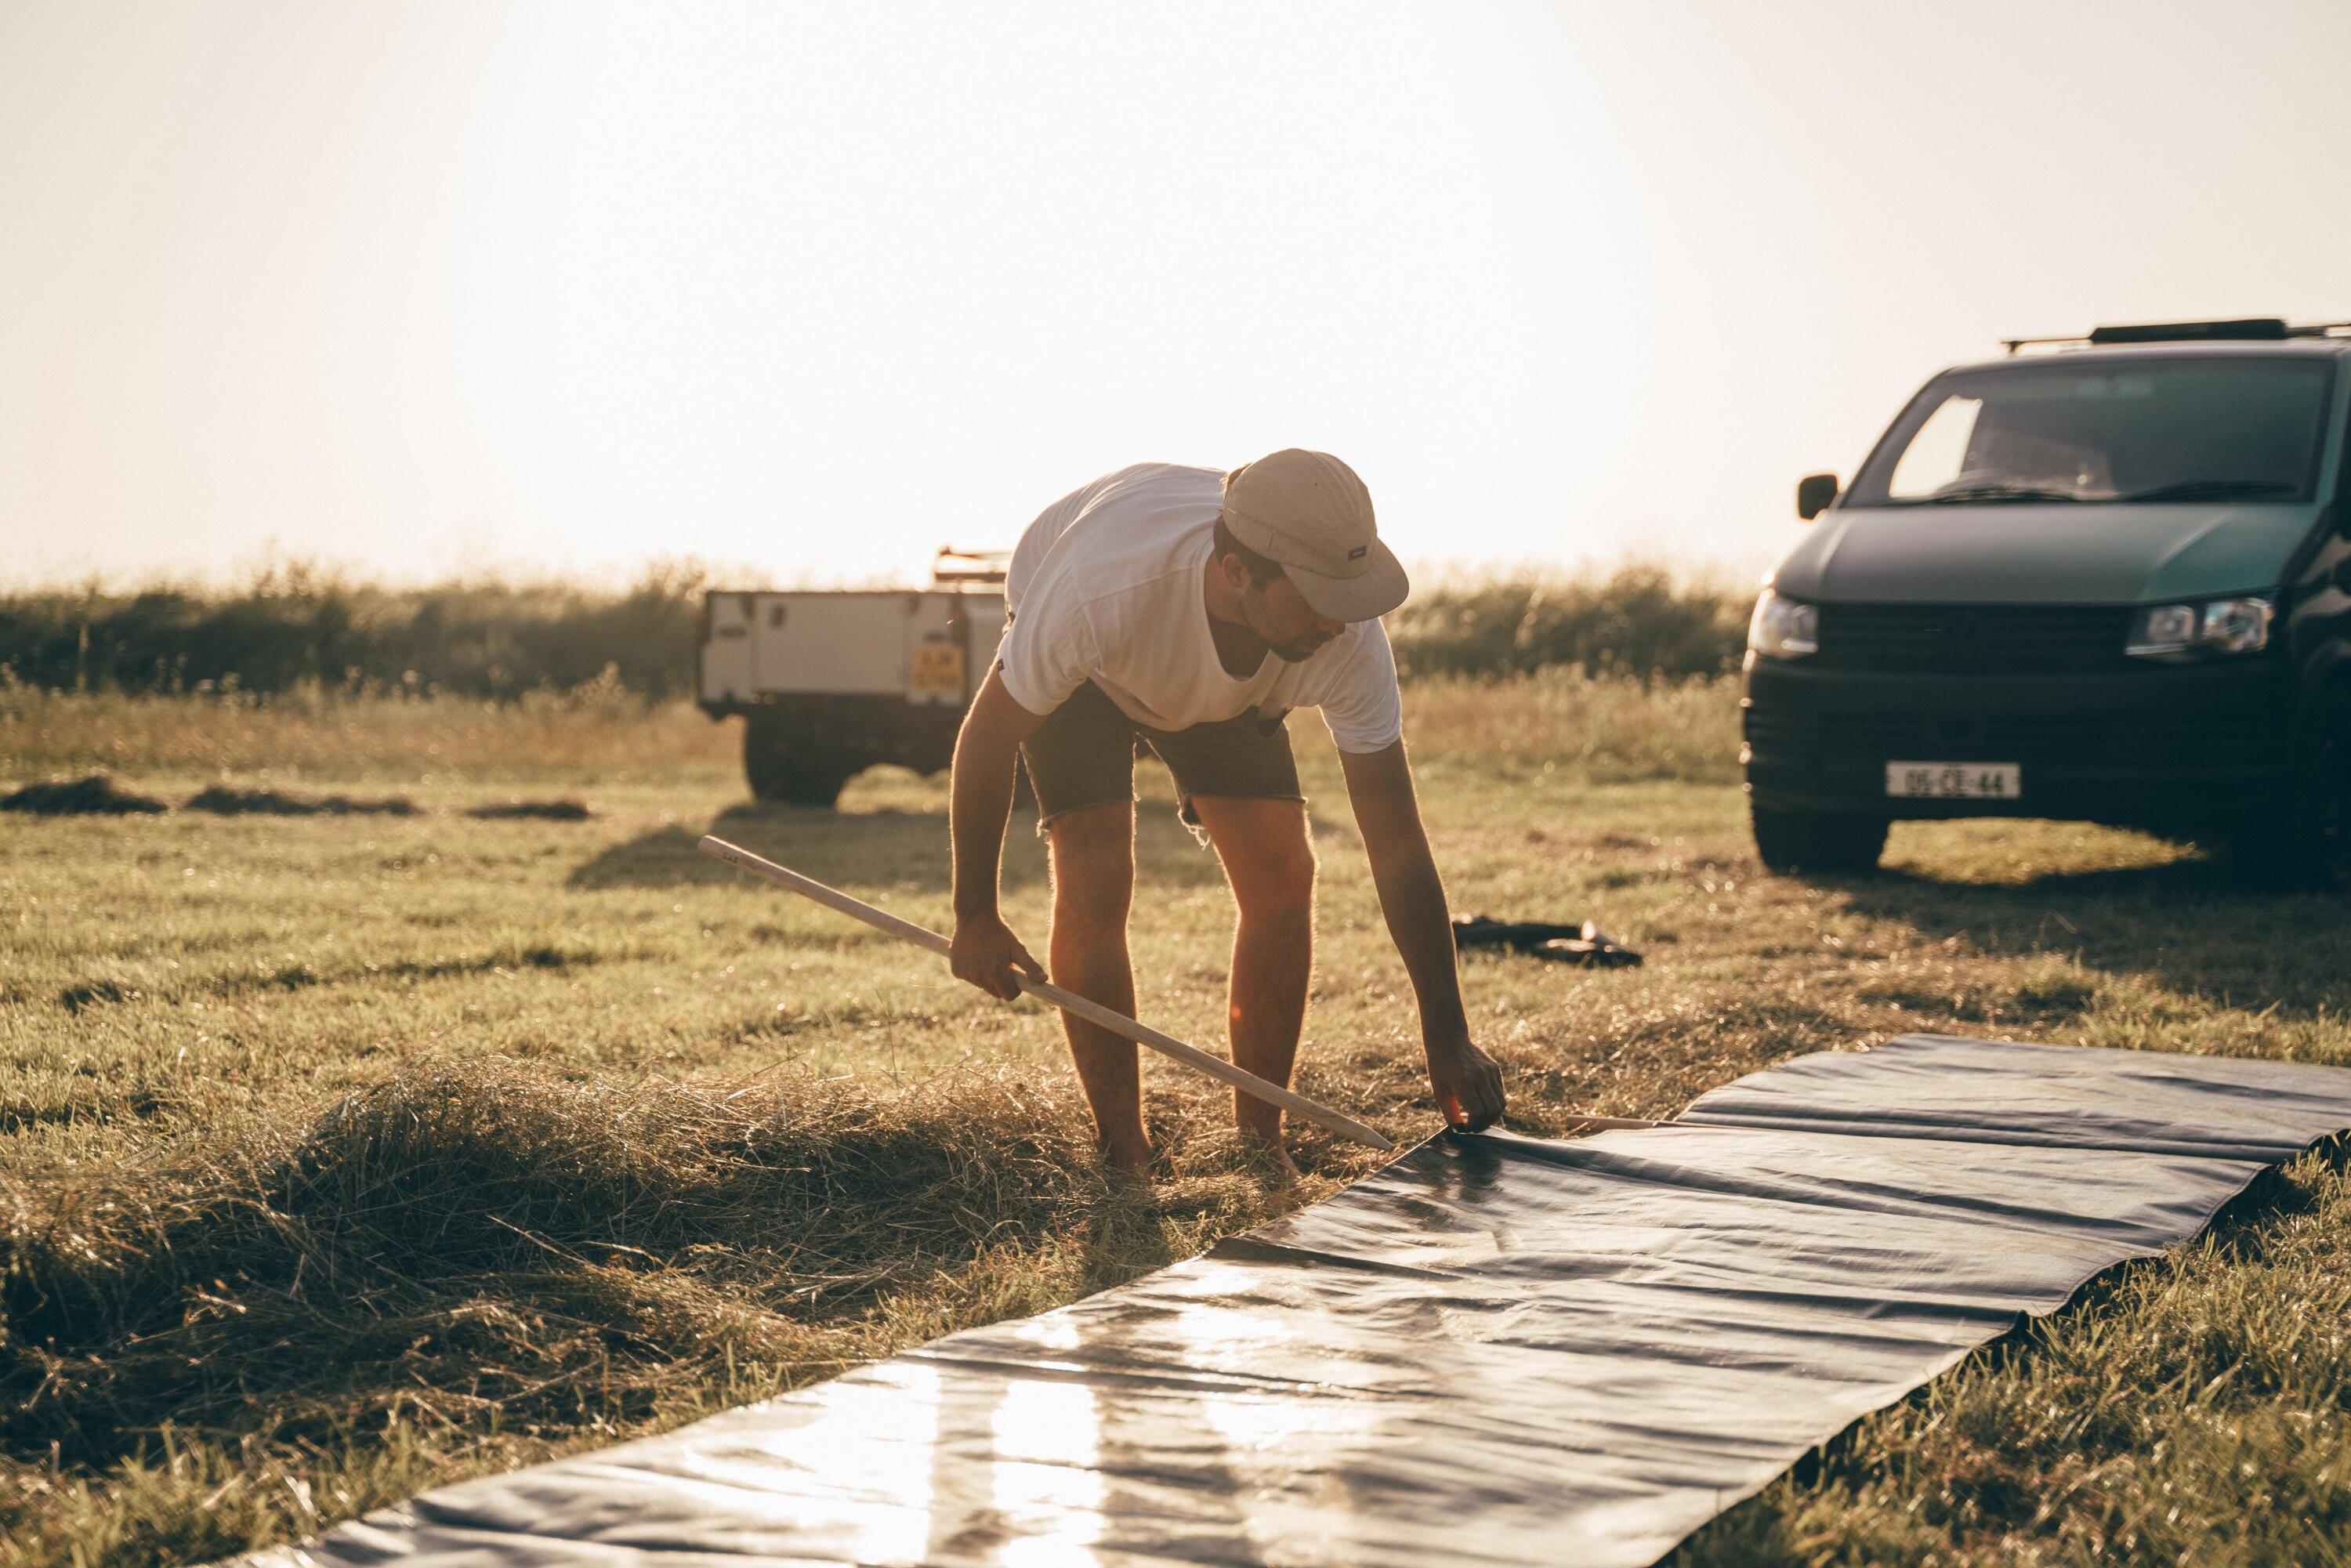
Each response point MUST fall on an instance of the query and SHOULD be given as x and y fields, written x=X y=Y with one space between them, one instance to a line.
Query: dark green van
x=2104 y=579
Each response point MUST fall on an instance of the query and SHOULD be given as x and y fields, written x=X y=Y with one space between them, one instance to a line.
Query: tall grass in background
x=293 y=628
x=1647 y=621
x=297 y=630
x=1596 y=730
x=596 y=731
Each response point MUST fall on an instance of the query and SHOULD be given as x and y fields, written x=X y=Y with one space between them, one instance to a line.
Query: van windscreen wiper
x=2215 y=490
x=1993 y=495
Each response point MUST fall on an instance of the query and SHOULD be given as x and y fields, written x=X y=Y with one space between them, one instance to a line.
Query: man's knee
x=1093 y=870
x=1268 y=853
x=1283 y=887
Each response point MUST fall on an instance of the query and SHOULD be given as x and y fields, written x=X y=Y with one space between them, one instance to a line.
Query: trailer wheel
x=1817 y=840
x=788 y=763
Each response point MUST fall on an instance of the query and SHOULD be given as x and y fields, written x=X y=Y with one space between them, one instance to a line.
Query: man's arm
x=984 y=951
x=1467 y=1086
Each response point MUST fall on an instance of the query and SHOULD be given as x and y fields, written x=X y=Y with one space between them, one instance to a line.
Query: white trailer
x=832 y=682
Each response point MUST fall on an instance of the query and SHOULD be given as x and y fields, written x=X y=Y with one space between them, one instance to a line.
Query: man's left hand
x=1467 y=1086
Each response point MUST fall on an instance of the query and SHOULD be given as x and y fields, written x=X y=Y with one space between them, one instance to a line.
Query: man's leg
x=1093 y=885
x=1270 y=861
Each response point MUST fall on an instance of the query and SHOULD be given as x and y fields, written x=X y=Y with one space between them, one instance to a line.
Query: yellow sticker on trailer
x=938 y=667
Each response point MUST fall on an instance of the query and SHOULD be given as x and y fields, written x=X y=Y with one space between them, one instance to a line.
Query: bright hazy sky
x=806 y=291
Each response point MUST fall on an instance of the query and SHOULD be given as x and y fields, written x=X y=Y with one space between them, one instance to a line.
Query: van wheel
x=2307 y=843
x=1817 y=840
x=790 y=766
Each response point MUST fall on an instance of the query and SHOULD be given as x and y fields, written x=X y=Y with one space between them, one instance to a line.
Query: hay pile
x=222 y=802
x=96 y=795
x=545 y=810
x=496 y=1247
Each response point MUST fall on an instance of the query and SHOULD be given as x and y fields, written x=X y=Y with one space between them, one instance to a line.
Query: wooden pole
x=1118 y=1023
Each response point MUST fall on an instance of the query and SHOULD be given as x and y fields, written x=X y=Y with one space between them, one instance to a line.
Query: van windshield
x=2205 y=429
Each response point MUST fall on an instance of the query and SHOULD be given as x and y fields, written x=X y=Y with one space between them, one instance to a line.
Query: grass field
x=344 y=1154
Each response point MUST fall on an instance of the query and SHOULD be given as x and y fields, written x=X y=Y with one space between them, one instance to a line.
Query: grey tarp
x=1497 y=1350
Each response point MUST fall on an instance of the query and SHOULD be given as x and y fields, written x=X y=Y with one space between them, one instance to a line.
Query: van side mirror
x=1813 y=494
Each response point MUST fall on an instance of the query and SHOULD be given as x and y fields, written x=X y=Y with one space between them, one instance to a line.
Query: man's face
x=1279 y=614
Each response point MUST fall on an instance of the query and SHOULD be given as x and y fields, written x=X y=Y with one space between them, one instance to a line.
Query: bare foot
x=1126 y=1157
x=1268 y=1156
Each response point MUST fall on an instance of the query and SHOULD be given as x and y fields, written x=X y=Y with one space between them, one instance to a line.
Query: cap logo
x=1359 y=552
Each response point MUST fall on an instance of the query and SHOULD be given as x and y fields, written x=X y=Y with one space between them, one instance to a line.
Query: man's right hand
x=986 y=954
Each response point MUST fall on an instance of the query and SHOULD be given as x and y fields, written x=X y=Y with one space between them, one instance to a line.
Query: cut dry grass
x=478 y=1260
x=222 y=801
x=515 y=809
x=95 y=795
x=341 y=1156
x=472 y=1238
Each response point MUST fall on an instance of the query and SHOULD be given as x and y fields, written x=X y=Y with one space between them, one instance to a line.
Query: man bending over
x=1193 y=610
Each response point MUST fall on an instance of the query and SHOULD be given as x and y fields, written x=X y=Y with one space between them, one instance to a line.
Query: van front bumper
x=2171 y=747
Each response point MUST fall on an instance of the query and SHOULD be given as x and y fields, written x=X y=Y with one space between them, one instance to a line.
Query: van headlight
x=2186 y=631
x=1783 y=629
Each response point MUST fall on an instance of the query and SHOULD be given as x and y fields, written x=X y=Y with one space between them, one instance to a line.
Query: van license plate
x=1954 y=781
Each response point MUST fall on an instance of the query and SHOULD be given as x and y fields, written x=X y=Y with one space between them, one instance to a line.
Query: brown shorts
x=1084 y=755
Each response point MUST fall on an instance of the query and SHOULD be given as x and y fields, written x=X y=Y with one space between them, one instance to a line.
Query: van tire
x=1791 y=842
x=2305 y=843
x=794 y=768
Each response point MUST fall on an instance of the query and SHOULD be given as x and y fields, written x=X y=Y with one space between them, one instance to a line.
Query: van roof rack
x=2249 y=329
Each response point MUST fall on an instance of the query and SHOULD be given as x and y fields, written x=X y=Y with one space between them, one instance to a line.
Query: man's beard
x=1297 y=651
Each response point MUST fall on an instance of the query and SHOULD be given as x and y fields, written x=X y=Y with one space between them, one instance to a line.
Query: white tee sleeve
x=1363 y=710
x=1047 y=652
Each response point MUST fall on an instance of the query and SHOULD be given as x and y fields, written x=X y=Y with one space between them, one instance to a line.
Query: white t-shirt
x=1107 y=586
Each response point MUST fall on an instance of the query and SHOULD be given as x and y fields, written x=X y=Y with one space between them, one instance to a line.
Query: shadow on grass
x=2189 y=926
x=854 y=848
x=872 y=848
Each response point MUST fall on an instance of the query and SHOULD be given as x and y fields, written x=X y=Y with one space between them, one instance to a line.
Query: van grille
x=2039 y=639
x=2140 y=738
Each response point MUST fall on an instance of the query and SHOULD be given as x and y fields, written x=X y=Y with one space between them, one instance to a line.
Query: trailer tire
x=788 y=764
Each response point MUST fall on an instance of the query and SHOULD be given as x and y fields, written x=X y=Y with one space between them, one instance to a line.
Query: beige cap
x=1308 y=511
